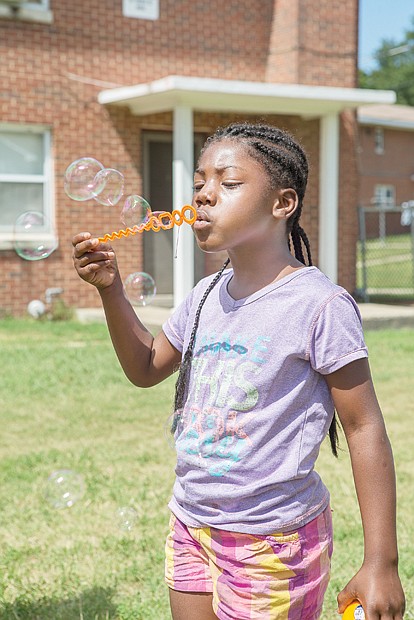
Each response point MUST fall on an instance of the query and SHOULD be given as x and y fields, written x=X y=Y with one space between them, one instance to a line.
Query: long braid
x=287 y=167
x=299 y=236
x=181 y=384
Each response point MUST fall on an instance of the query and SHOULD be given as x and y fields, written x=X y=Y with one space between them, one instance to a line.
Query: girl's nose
x=205 y=195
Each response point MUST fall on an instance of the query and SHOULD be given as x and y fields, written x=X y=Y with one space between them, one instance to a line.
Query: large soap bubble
x=79 y=181
x=33 y=237
x=108 y=186
x=64 y=487
x=140 y=288
x=135 y=211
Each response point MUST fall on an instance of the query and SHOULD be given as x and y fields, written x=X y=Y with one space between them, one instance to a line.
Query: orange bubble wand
x=159 y=220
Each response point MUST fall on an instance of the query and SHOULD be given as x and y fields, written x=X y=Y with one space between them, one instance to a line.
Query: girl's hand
x=379 y=591
x=94 y=261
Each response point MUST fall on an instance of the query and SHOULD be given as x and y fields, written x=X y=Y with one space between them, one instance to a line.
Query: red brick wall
x=348 y=202
x=48 y=76
x=314 y=42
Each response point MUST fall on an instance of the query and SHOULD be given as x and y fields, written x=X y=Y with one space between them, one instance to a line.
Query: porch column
x=328 y=195
x=182 y=182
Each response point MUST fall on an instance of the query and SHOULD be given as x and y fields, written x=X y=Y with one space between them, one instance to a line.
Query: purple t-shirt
x=258 y=406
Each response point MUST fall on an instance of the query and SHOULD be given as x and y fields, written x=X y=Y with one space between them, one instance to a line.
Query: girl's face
x=233 y=198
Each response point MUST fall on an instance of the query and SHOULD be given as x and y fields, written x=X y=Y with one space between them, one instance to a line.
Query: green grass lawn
x=389 y=266
x=65 y=403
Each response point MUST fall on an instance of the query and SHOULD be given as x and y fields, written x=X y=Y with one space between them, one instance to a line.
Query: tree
x=395 y=68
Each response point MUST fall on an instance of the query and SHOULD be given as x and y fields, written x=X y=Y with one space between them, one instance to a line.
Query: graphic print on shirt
x=224 y=380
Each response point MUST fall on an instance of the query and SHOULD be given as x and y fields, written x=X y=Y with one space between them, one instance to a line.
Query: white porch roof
x=216 y=95
x=390 y=116
x=183 y=95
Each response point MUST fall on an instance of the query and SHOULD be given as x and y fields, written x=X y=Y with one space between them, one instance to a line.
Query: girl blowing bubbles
x=267 y=350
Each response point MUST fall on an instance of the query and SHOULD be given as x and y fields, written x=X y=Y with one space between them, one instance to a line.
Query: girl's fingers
x=85 y=244
x=95 y=257
x=83 y=236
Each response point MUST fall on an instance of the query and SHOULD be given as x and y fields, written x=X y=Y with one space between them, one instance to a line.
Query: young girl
x=267 y=349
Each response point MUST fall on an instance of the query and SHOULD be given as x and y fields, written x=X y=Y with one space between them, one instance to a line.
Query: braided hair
x=286 y=165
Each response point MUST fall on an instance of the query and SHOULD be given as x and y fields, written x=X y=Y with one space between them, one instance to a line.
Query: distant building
x=138 y=86
x=386 y=158
x=386 y=154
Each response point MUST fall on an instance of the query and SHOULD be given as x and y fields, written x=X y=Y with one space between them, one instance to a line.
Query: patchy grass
x=67 y=404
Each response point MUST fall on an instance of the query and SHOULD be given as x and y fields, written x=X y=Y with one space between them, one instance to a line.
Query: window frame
x=36 y=11
x=39 y=4
x=46 y=179
x=380 y=198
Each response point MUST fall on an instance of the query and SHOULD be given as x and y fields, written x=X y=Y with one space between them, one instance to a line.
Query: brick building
x=386 y=166
x=386 y=161
x=138 y=84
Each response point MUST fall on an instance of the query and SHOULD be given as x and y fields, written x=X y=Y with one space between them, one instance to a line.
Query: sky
x=378 y=20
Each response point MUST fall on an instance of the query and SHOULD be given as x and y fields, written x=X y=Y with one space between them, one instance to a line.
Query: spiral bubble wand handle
x=156 y=223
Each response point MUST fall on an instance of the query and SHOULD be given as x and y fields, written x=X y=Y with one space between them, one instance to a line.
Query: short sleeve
x=174 y=328
x=336 y=337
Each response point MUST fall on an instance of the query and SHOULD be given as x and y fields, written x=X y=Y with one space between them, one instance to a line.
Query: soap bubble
x=79 y=181
x=64 y=487
x=126 y=518
x=135 y=211
x=108 y=186
x=140 y=288
x=33 y=238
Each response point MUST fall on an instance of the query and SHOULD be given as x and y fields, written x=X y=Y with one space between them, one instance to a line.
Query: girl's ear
x=286 y=203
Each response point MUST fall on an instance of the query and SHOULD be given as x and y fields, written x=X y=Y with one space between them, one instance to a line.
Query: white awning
x=214 y=95
x=390 y=116
x=184 y=95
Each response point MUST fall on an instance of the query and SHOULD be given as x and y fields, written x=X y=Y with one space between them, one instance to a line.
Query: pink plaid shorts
x=282 y=576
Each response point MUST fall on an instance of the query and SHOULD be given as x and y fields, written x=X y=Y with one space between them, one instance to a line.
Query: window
x=25 y=177
x=141 y=9
x=379 y=140
x=384 y=196
x=37 y=4
x=26 y=10
x=31 y=4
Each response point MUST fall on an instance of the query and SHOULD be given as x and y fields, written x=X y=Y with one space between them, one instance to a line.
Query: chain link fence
x=385 y=253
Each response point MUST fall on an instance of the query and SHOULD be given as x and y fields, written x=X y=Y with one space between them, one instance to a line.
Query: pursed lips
x=202 y=216
x=202 y=220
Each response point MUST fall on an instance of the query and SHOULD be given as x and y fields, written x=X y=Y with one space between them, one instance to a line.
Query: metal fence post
x=362 y=239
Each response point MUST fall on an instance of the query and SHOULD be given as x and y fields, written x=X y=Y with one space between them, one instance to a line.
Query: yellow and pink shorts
x=282 y=576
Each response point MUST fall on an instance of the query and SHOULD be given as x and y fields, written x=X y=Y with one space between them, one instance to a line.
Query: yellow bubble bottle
x=354 y=611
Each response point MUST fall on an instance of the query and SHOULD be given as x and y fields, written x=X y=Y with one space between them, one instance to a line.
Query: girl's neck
x=251 y=274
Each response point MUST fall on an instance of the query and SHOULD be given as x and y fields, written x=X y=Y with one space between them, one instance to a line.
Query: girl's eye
x=231 y=184
x=197 y=187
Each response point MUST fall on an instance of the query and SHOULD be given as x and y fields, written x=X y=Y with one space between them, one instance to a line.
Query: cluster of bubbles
x=85 y=179
x=65 y=487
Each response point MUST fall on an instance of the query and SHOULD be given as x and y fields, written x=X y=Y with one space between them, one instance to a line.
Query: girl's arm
x=145 y=360
x=376 y=585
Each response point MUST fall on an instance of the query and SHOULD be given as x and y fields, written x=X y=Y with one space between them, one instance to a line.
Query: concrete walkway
x=374 y=316
x=383 y=316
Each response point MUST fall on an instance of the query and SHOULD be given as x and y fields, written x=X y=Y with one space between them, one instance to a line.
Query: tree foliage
x=395 y=68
